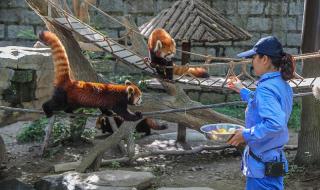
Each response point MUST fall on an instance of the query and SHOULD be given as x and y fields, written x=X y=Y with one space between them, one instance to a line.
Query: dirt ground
x=219 y=170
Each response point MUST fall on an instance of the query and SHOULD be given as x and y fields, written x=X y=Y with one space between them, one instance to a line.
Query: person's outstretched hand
x=235 y=84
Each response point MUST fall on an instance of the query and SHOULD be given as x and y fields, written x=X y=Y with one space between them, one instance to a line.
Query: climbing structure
x=132 y=58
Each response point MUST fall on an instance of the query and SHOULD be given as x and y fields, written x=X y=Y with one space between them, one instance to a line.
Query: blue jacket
x=267 y=115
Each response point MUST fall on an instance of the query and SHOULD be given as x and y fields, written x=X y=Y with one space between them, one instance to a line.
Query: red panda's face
x=134 y=93
x=101 y=120
x=162 y=44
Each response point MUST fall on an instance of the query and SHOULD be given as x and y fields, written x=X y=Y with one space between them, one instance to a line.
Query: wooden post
x=185 y=58
x=2 y=150
x=182 y=132
x=48 y=131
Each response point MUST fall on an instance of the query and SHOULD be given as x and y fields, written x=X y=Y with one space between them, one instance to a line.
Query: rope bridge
x=132 y=58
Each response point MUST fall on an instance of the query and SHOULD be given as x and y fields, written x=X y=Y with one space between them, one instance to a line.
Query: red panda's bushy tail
x=60 y=58
x=199 y=72
x=152 y=124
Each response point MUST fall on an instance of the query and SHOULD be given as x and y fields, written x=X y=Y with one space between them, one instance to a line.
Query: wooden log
x=48 y=131
x=111 y=141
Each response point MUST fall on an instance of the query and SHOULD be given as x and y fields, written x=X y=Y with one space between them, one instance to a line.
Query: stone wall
x=260 y=17
x=18 y=23
x=26 y=77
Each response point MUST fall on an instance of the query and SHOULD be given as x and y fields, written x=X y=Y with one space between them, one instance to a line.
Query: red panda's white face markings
x=134 y=93
x=161 y=43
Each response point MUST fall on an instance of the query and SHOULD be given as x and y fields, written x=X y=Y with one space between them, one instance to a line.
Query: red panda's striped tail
x=60 y=58
x=199 y=72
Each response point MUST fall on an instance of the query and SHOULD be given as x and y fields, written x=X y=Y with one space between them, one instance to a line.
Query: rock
x=14 y=184
x=107 y=179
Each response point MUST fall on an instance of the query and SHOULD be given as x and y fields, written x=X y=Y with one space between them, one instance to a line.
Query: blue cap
x=269 y=45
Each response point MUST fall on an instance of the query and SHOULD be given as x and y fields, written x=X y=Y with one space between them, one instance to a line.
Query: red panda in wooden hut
x=162 y=49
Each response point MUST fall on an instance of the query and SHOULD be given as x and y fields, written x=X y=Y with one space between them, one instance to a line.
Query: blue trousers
x=266 y=183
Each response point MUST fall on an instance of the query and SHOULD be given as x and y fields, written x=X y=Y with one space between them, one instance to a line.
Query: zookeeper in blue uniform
x=269 y=107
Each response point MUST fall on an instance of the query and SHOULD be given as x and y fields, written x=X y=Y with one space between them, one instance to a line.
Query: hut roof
x=193 y=20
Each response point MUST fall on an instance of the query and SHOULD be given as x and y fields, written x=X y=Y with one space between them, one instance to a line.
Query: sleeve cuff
x=246 y=133
x=244 y=93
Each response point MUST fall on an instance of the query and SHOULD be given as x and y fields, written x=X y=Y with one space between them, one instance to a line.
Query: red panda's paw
x=146 y=59
x=138 y=114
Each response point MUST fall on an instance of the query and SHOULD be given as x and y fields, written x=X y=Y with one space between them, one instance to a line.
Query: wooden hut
x=194 y=21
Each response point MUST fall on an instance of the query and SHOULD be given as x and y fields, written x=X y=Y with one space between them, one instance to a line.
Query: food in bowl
x=221 y=131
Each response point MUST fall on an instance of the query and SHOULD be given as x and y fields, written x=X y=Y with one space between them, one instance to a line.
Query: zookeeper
x=266 y=117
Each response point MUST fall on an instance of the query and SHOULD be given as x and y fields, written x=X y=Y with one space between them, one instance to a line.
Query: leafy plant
x=27 y=34
x=237 y=111
x=115 y=165
x=60 y=131
x=294 y=121
x=33 y=132
x=88 y=133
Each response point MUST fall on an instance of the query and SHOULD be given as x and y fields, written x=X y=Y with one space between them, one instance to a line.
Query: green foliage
x=33 y=132
x=89 y=133
x=60 y=131
x=115 y=165
x=97 y=55
x=27 y=34
x=237 y=111
x=86 y=110
x=137 y=135
x=294 y=121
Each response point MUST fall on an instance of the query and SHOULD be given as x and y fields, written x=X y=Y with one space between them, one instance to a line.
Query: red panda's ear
x=130 y=91
x=158 y=46
x=127 y=83
x=174 y=42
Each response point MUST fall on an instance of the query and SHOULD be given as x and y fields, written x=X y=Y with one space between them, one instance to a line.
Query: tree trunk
x=80 y=66
x=309 y=137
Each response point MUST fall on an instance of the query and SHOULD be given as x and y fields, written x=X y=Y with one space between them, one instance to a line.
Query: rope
x=11 y=109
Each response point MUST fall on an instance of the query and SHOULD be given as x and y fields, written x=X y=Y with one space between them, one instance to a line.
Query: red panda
x=162 y=48
x=71 y=94
x=144 y=126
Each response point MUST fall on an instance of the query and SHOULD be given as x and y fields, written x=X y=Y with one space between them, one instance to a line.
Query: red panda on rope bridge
x=162 y=48
x=71 y=94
